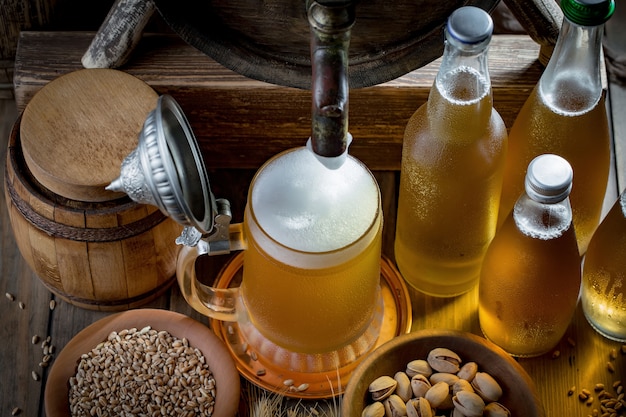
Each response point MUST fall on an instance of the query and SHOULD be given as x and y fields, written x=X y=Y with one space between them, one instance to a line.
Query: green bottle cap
x=588 y=12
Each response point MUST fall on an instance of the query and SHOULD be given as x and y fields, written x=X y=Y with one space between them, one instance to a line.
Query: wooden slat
x=18 y=357
x=240 y=122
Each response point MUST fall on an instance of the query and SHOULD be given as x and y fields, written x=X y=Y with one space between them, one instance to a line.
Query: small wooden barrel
x=110 y=255
x=92 y=247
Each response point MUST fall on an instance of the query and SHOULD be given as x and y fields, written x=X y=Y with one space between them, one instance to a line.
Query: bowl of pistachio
x=430 y=373
x=143 y=362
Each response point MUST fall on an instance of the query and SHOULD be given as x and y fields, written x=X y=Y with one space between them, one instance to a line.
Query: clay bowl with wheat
x=142 y=362
x=516 y=393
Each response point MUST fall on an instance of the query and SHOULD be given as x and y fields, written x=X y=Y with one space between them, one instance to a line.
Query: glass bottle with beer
x=531 y=275
x=565 y=114
x=603 y=294
x=452 y=162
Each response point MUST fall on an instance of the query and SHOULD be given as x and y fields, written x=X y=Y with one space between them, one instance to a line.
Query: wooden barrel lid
x=269 y=40
x=77 y=130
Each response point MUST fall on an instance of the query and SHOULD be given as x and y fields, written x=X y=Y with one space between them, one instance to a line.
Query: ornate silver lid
x=167 y=170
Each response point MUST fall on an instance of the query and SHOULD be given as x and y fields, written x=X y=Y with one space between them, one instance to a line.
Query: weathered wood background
x=18 y=15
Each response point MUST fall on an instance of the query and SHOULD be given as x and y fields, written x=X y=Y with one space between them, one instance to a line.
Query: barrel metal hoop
x=81 y=234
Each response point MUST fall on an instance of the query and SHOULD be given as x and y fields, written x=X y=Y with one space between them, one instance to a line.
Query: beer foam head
x=305 y=206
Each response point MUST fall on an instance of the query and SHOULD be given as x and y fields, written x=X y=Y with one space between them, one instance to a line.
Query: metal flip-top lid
x=167 y=170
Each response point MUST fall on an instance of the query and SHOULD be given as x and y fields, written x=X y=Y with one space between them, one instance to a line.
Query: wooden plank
x=240 y=123
x=19 y=357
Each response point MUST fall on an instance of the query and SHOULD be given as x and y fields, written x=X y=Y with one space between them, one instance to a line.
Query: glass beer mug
x=311 y=237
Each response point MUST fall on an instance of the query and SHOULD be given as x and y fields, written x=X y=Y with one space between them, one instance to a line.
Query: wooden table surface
x=581 y=362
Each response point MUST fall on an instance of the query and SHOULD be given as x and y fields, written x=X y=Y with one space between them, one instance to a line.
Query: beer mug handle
x=218 y=303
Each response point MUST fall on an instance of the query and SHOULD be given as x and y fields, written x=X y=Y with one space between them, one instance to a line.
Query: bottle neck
x=542 y=220
x=463 y=74
x=574 y=68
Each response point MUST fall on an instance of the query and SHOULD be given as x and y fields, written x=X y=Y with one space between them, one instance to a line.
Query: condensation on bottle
x=531 y=274
x=452 y=162
x=603 y=294
x=565 y=114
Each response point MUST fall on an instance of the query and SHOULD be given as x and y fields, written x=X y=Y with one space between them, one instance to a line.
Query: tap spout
x=330 y=22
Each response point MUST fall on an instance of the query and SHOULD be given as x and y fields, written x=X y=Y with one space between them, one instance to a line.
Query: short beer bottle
x=452 y=162
x=531 y=275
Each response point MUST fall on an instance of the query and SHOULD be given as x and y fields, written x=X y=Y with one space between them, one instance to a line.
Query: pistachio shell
x=376 y=409
x=437 y=394
x=403 y=389
x=394 y=406
x=382 y=387
x=461 y=385
x=419 y=385
x=444 y=360
x=487 y=387
x=447 y=404
x=468 y=371
x=418 y=366
x=449 y=379
x=495 y=409
x=419 y=407
x=468 y=403
x=456 y=413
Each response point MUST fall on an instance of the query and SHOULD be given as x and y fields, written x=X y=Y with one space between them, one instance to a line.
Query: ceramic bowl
x=220 y=362
x=519 y=394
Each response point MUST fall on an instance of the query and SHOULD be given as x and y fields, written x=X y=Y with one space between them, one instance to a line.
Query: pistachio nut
x=456 y=413
x=394 y=406
x=444 y=360
x=449 y=379
x=468 y=404
x=495 y=409
x=376 y=409
x=403 y=389
x=461 y=385
x=418 y=366
x=487 y=387
x=419 y=385
x=382 y=387
x=419 y=407
x=437 y=394
x=468 y=371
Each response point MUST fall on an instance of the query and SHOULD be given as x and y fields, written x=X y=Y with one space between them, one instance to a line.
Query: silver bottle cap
x=549 y=179
x=470 y=25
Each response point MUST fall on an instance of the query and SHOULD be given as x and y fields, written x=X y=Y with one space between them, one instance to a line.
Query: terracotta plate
x=178 y=325
x=265 y=373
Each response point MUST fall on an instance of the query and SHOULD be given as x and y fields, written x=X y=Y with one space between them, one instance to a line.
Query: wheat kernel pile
x=142 y=373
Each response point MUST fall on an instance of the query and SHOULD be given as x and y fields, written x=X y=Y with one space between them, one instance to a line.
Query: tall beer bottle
x=603 y=293
x=452 y=162
x=531 y=274
x=565 y=114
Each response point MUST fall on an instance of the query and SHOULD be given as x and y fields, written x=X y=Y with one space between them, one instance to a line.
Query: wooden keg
x=93 y=248
x=270 y=40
